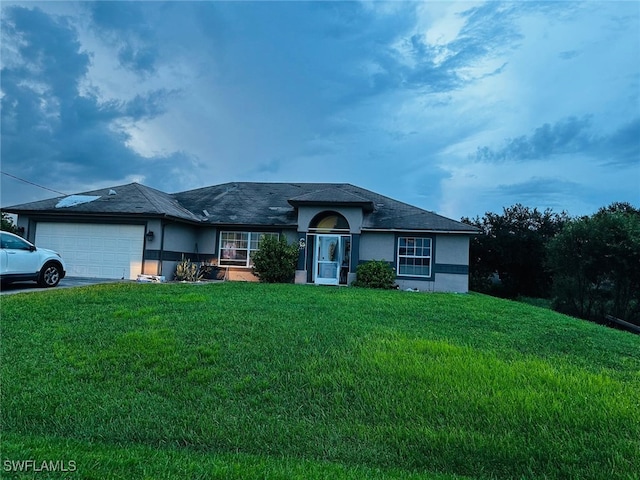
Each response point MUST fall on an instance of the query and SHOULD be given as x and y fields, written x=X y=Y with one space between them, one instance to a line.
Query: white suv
x=22 y=261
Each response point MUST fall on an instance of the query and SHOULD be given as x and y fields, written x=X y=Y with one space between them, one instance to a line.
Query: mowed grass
x=238 y=380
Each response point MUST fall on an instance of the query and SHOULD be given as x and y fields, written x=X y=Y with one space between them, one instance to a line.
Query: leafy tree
x=513 y=248
x=375 y=274
x=596 y=265
x=7 y=223
x=275 y=261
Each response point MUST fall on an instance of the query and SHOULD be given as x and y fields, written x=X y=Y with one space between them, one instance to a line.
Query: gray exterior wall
x=174 y=240
x=180 y=238
x=207 y=244
x=450 y=260
x=171 y=240
x=352 y=214
x=377 y=246
x=452 y=249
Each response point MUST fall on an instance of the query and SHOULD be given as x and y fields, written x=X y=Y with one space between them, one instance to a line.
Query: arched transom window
x=326 y=222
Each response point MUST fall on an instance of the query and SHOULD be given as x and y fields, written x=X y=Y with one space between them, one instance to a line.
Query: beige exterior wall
x=241 y=275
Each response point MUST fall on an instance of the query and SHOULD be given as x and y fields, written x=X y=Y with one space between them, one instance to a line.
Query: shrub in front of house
x=275 y=261
x=375 y=274
x=187 y=271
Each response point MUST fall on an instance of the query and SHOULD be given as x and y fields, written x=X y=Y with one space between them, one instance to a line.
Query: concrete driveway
x=66 y=282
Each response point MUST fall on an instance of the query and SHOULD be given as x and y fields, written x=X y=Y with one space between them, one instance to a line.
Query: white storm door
x=327 y=264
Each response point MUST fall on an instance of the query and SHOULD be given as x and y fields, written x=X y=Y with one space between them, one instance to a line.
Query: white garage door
x=95 y=250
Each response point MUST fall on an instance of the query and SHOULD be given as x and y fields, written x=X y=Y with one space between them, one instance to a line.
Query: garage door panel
x=97 y=244
x=110 y=257
x=94 y=250
x=122 y=245
x=111 y=248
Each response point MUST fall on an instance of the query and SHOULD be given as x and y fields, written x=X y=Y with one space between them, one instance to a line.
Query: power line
x=31 y=183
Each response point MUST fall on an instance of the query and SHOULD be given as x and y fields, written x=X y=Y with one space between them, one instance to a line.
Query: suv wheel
x=49 y=275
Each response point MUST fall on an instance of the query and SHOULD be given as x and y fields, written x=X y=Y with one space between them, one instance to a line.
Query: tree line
x=587 y=266
x=7 y=223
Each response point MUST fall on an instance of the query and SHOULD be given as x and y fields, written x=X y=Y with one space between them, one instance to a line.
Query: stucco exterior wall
x=450 y=254
x=412 y=284
x=443 y=282
x=291 y=236
x=377 y=246
x=180 y=238
x=446 y=282
x=207 y=244
x=352 y=214
x=241 y=275
x=452 y=249
x=152 y=266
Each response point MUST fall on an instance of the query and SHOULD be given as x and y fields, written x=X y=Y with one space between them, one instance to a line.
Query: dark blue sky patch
x=622 y=147
x=568 y=136
x=433 y=103
x=45 y=118
x=126 y=25
x=48 y=48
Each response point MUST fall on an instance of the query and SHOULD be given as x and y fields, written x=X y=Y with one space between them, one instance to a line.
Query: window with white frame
x=236 y=248
x=414 y=257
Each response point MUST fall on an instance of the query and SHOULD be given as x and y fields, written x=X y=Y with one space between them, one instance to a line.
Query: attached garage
x=95 y=250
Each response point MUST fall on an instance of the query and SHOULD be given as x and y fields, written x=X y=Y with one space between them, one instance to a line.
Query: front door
x=327 y=260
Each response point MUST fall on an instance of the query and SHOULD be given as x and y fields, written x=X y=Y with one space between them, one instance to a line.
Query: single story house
x=127 y=230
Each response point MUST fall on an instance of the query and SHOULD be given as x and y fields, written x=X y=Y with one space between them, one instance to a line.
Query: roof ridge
x=142 y=189
x=332 y=187
x=327 y=184
x=169 y=197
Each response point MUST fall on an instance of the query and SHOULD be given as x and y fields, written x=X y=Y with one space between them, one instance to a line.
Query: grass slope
x=241 y=380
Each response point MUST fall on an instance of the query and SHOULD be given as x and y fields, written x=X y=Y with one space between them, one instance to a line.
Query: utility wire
x=31 y=183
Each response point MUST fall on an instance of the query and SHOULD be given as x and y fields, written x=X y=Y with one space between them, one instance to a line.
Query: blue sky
x=456 y=107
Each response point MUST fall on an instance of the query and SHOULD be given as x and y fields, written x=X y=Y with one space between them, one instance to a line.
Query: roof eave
x=426 y=230
x=49 y=213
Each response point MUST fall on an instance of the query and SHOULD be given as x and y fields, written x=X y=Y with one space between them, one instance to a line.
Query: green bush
x=275 y=261
x=375 y=274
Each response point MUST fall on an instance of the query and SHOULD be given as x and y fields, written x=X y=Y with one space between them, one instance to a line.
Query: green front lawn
x=239 y=380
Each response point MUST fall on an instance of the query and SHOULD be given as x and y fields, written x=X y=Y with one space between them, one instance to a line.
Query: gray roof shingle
x=332 y=196
x=130 y=199
x=252 y=203
x=273 y=204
